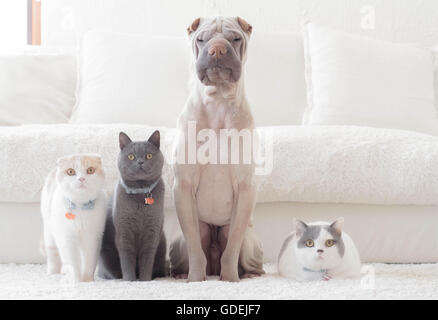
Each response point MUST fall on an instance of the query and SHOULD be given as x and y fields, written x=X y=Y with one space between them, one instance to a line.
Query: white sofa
x=383 y=181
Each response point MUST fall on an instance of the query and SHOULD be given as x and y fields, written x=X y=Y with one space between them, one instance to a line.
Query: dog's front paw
x=197 y=269
x=196 y=276
x=229 y=268
x=229 y=274
x=229 y=277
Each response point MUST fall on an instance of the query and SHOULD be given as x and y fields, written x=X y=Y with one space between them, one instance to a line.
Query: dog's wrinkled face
x=219 y=46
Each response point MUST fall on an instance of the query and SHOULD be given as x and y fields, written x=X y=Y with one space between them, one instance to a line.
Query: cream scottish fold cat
x=73 y=208
x=318 y=251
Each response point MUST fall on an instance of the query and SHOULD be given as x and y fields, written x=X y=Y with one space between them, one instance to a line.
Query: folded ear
x=299 y=227
x=124 y=140
x=93 y=157
x=61 y=161
x=244 y=25
x=194 y=26
x=155 y=139
x=338 y=225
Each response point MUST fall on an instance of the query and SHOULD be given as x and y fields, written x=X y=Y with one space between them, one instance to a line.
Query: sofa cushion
x=355 y=80
x=131 y=79
x=275 y=83
x=321 y=164
x=37 y=86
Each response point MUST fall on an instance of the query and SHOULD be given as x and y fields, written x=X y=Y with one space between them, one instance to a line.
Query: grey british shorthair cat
x=134 y=245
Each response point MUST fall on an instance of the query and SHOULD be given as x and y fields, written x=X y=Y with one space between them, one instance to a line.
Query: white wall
x=13 y=23
x=412 y=21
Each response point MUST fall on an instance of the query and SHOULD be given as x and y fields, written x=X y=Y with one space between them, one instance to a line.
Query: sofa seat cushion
x=320 y=164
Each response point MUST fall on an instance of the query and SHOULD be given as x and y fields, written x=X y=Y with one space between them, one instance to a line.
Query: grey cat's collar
x=146 y=190
x=70 y=205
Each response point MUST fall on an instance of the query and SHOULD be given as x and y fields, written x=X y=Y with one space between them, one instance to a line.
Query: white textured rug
x=389 y=282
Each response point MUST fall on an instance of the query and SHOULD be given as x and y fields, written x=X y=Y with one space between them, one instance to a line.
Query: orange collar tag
x=149 y=200
x=70 y=216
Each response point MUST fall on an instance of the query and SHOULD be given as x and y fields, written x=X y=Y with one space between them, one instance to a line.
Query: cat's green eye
x=149 y=156
x=329 y=243
x=131 y=156
x=310 y=243
x=71 y=172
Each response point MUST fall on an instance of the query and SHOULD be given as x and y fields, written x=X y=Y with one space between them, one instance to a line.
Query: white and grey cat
x=318 y=251
x=73 y=209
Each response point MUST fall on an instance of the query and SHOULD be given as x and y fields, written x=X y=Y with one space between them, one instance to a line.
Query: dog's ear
x=194 y=26
x=244 y=25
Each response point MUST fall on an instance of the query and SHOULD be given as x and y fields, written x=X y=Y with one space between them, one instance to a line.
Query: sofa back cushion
x=353 y=80
x=131 y=79
x=37 y=86
x=275 y=82
x=142 y=79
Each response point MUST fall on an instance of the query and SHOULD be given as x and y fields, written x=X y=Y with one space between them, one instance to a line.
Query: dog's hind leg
x=251 y=256
x=179 y=260
x=251 y=253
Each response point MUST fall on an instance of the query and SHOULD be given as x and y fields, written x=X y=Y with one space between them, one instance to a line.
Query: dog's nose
x=217 y=50
x=320 y=251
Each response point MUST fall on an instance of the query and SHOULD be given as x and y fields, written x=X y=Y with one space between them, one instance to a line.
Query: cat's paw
x=70 y=280
x=71 y=277
x=129 y=278
x=87 y=278
x=145 y=278
x=53 y=270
